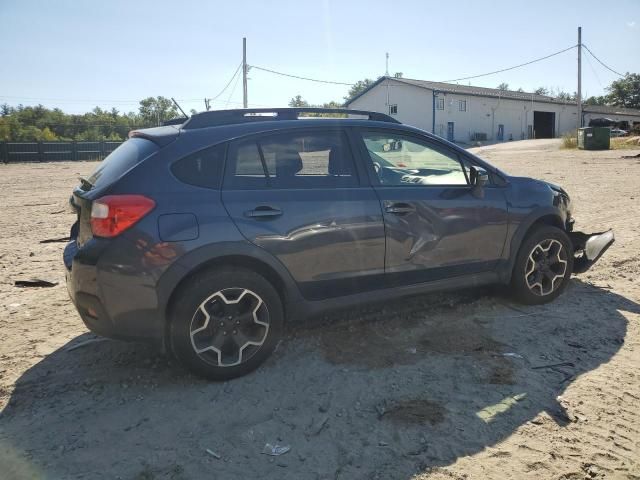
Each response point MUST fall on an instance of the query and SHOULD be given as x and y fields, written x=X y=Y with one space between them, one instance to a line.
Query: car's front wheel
x=225 y=322
x=543 y=266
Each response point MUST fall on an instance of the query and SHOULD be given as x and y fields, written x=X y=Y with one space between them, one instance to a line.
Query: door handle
x=263 y=211
x=399 y=208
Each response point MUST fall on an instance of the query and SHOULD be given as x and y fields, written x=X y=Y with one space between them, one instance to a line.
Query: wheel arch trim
x=543 y=216
x=241 y=254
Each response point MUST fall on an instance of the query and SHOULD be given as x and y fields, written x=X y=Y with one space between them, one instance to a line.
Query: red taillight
x=113 y=214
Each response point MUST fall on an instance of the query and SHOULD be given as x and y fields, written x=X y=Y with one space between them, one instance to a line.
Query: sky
x=76 y=55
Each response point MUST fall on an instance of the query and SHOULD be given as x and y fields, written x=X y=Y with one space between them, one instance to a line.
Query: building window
x=440 y=103
x=393 y=109
x=462 y=105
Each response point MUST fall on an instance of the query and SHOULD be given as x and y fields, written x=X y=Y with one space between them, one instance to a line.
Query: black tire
x=191 y=333
x=536 y=288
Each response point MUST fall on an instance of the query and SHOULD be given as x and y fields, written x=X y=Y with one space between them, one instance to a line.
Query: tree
x=566 y=96
x=5 y=130
x=47 y=135
x=503 y=86
x=298 y=102
x=359 y=87
x=625 y=92
x=601 y=100
x=155 y=110
x=541 y=91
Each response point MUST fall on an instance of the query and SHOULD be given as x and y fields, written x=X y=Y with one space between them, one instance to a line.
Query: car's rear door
x=298 y=194
x=436 y=226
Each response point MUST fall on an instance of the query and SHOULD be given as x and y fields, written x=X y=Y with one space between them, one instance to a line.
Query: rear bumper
x=113 y=301
x=588 y=248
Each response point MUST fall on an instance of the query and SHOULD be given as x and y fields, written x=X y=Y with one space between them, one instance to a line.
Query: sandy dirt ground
x=433 y=387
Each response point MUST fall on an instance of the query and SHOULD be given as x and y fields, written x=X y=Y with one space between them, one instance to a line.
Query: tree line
x=38 y=123
x=28 y=124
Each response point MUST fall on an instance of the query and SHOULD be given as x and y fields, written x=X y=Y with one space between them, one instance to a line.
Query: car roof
x=220 y=125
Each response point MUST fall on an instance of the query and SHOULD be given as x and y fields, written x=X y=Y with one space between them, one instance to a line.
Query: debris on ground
x=275 y=450
x=511 y=354
x=213 y=454
x=34 y=283
x=551 y=365
x=56 y=240
x=317 y=426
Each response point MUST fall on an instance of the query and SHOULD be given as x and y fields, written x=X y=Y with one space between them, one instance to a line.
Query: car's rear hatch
x=123 y=159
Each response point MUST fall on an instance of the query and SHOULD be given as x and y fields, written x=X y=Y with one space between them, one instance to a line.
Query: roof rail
x=216 y=118
x=175 y=121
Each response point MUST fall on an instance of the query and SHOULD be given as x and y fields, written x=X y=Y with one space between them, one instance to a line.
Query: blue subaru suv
x=206 y=237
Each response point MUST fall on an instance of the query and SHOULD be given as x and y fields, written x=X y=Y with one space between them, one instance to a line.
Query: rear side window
x=292 y=160
x=203 y=168
x=121 y=160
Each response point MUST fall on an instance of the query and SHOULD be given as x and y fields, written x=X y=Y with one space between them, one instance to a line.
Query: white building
x=464 y=113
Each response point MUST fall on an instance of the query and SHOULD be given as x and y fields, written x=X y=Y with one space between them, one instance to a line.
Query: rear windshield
x=121 y=160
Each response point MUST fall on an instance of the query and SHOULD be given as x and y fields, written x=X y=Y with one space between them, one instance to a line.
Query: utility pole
x=386 y=74
x=579 y=99
x=245 y=102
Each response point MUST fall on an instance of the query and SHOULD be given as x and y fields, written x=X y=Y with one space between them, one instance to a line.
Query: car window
x=407 y=160
x=121 y=160
x=292 y=160
x=203 y=168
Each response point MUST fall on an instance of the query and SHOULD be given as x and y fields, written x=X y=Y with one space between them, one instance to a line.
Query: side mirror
x=479 y=178
x=482 y=178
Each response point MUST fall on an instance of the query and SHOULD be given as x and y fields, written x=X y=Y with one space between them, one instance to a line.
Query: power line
x=601 y=62
x=331 y=82
x=511 y=68
x=233 y=91
x=301 y=78
x=228 y=83
x=444 y=81
x=593 y=70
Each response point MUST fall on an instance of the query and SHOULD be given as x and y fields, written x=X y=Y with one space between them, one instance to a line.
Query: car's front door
x=298 y=195
x=437 y=225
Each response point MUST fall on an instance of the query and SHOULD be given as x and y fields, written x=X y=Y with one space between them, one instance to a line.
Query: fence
x=14 y=152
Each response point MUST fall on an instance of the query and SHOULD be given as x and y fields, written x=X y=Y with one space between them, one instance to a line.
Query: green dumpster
x=594 y=138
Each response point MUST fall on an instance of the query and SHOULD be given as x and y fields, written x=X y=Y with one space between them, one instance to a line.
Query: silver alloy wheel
x=546 y=267
x=229 y=327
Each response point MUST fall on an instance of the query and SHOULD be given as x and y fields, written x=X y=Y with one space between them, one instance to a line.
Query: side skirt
x=297 y=312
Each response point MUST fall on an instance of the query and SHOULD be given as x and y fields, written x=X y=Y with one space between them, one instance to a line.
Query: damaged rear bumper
x=588 y=248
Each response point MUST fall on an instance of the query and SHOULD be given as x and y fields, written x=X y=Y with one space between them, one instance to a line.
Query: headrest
x=288 y=163
x=337 y=164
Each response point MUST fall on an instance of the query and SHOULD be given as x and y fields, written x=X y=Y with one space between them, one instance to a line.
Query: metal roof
x=606 y=109
x=495 y=93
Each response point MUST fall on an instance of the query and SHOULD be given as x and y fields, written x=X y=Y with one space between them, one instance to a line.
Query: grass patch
x=625 y=143
x=570 y=140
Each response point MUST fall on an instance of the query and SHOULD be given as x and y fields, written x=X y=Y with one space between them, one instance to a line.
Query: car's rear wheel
x=225 y=323
x=543 y=266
